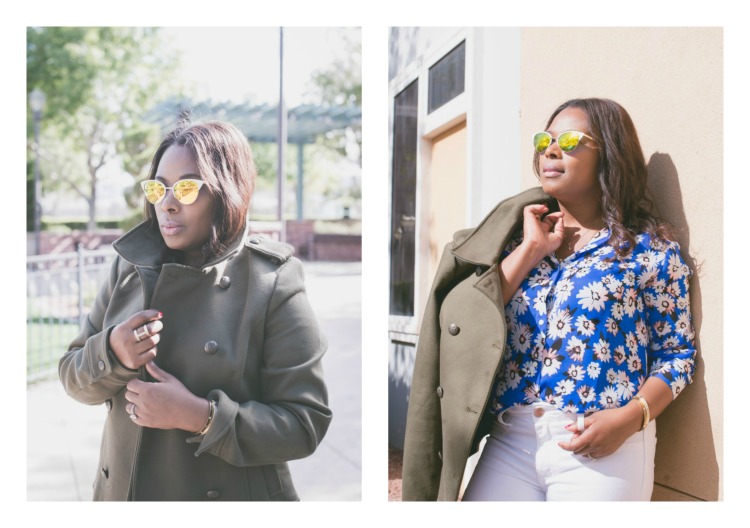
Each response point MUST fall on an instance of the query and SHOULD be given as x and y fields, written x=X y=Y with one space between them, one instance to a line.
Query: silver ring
x=141 y=336
x=580 y=424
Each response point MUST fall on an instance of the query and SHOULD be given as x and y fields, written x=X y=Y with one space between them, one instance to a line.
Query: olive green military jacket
x=460 y=347
x=239 y=331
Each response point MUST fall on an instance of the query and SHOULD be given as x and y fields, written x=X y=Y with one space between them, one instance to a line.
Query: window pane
x=447 y=78
x=404 y=201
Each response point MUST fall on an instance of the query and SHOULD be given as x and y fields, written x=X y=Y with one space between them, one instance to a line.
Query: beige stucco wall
x=670 y=81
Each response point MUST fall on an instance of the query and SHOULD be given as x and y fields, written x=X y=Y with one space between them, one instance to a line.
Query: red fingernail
x=161 y=315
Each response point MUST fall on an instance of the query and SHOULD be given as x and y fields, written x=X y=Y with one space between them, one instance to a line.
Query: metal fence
x=60 y=290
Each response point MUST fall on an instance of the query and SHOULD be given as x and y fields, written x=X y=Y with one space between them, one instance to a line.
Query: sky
x=239 y=64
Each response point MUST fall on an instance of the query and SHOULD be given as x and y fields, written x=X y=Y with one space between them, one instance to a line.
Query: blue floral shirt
x=584 y=333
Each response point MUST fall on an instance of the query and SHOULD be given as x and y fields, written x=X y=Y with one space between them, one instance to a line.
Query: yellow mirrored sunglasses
x=568 y=141
x=185 y=191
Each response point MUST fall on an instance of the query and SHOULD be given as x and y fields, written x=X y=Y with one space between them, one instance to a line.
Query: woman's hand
x=166 y=403
x=123 y=341
x=604 y=431
x=542 y=235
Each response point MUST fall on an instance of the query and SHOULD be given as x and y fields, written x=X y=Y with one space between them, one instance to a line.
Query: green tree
x=99 y=83
x=341 y=85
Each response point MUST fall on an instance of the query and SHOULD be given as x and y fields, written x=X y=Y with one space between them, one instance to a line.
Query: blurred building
x=464 y=104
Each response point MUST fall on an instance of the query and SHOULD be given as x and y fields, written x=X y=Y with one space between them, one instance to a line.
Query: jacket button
x=440 y=392
x=225 y=282
x=105 y=472
x=102 y=366
x=213 y=494
x=254 y=240
x=453 y=329
x=211 y=347
x=108 y=403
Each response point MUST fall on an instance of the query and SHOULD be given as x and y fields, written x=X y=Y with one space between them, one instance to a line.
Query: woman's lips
x=170 y=229
x=550 y=171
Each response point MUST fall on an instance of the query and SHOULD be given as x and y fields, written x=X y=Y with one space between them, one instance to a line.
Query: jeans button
x=538 y=412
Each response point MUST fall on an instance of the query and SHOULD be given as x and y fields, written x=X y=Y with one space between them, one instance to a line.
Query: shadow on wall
x=685 y=452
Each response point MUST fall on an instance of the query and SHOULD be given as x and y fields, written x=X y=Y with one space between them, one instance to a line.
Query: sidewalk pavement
x=63 y=435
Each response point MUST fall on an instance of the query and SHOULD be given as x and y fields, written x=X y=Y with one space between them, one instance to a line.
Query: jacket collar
x=484 y=244
x=144 y=246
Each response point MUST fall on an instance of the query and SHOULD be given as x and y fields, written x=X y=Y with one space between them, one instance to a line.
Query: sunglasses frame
x=555 y=140
x=147 y=182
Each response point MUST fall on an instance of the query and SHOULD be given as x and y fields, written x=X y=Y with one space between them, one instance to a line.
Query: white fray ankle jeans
x=521 y=461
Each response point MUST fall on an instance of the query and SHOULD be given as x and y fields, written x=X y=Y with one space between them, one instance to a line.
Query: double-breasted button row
x=453 y=329
x=225 y=282
x=211 y=347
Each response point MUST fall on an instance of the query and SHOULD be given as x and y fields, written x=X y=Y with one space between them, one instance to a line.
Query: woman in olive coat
x=202 y=344
x=463 y=325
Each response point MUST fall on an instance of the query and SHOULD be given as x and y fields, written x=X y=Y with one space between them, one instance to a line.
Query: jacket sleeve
x=422 y=464
x=294 y=416
x=89 y=371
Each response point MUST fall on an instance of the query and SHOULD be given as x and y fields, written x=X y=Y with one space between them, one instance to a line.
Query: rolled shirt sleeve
x=671 y=354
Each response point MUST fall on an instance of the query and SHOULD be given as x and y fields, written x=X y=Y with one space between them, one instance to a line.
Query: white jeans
x=521 y=461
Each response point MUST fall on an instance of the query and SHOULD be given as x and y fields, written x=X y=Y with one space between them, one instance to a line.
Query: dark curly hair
x=622 y=174
x=226 y=164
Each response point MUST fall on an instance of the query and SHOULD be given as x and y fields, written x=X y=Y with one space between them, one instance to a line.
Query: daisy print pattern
x=585 y=332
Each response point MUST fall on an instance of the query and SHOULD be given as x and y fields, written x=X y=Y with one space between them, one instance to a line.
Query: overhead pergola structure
x=260 y=124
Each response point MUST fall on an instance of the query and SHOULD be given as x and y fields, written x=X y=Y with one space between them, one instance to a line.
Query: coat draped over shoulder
x=459 y=351
x=239 y=331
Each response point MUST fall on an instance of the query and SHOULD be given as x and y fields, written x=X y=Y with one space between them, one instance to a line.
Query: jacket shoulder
x=276 y=252
x=512 y=203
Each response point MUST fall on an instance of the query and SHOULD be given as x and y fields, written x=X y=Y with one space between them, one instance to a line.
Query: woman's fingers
x=143 y=317
x=153 y=327
x=535 y=209
x=146 y=331
x=147 y=357
x=157 y=372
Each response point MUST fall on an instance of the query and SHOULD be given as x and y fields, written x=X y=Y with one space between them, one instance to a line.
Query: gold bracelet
x=211 y=413
x=646 y=412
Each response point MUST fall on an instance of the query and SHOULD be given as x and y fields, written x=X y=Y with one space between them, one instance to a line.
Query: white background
x=375 y=18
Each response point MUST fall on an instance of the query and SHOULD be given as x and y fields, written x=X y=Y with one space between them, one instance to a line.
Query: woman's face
x=570 y=176
x=184 y=227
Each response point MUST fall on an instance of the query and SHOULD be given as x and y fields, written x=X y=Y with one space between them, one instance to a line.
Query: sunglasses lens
x=154 y=191
x=568 y=141
x=186 y=191
x=542 y=140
